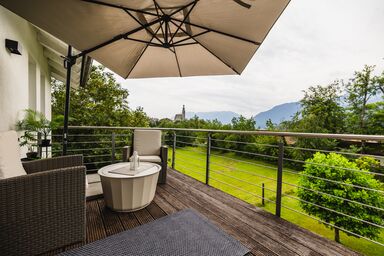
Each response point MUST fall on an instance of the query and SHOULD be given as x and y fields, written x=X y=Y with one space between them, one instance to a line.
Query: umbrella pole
x=69 y=61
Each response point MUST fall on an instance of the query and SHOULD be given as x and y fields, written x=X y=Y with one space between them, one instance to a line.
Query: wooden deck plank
x=184 y=203
x=295 y=234
x=155 y=211
x=254 y=225
x=95 y=226
x=128 y=220
x=143 y=216
x=111 y=220
x=244 y=233
x=164 y=205
x=262 y=232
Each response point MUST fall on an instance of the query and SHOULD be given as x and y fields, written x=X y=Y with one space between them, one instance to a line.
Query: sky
x=313 y=43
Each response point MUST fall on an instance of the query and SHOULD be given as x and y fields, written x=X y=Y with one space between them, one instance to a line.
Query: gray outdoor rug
x=182 y=233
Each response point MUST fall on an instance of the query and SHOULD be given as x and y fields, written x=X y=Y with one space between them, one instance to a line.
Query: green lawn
x=243 y=178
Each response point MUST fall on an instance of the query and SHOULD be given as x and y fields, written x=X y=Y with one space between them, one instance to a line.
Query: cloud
x=314 y=42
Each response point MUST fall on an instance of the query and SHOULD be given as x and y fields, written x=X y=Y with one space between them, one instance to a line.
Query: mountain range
x=277 y=114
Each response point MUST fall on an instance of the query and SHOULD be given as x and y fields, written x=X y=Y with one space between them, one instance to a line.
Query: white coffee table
x=129 y=193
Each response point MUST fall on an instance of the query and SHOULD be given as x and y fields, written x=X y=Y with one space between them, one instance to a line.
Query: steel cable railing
x=332 y=225
x=243 y=171
x=245 y=191
x=191 y=144
x=246 y=162
x=244 y=181
x=246 y=143
x=336 y=167
x=329 y=151
x=244 y=152
x=209 y=157
x=195 y=151
x=336 y=182
x=330 y=195
x=193 y=171
x=334 y=211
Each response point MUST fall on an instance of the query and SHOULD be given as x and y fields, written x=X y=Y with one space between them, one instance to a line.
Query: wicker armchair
x=45 y=209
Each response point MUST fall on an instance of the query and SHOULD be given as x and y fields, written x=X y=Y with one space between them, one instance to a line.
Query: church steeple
x=183 y=112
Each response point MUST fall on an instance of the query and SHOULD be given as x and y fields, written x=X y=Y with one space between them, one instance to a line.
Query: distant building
x=180 y=117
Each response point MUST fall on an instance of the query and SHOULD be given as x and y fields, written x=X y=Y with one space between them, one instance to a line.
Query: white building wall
x=14 y=72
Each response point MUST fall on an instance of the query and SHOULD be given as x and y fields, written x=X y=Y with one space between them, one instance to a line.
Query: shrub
x=350 y=176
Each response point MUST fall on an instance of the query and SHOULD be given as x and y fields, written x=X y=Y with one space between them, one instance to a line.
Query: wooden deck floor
x=260 y=231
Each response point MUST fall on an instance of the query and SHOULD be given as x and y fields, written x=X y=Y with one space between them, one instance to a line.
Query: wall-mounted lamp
x=13 y=46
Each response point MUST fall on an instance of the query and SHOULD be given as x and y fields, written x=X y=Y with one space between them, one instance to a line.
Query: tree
x=321 y=112
x=321 y=109
x=101 y=102
x=379 y=80
x=375 y=118
x=337 y=168
x=360 y=90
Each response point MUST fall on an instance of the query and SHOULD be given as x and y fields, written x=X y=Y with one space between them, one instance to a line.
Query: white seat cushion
x=151 y=159
x=147 y=142
x=10 y=163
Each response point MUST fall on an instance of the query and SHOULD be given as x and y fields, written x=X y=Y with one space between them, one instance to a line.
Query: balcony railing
x=263 y=174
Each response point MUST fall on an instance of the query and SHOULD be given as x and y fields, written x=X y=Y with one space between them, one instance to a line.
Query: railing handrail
x=256 y=132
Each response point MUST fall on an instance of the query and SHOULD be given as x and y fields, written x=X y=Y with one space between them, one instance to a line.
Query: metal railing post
x=209 y=141
x=113 y=151
x=262 y=194
x=279 y=179
x=174 y=150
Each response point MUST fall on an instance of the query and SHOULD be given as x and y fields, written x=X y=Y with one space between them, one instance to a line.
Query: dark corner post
x=209 y=141
x=68 y=62
x=173 y=150
x=279 y=177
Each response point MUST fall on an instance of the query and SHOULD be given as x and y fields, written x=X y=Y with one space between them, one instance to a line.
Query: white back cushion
x=147 y=142
x=10 y=163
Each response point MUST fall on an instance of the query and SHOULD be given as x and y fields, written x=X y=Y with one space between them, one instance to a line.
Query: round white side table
x=129 y=193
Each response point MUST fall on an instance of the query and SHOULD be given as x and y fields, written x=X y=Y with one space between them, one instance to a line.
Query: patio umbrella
x=155 y=38
x=158 y=38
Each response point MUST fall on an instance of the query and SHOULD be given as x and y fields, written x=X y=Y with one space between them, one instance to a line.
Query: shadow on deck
x=260 y=231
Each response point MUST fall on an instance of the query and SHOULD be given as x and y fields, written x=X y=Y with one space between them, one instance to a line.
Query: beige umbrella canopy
x=155 y=38
x=158 y=38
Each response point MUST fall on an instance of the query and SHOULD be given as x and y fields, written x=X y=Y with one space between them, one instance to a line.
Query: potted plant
x=34 y=122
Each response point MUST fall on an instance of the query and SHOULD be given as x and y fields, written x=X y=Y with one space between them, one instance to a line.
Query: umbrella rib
x=143 y=41
x=177 y=59
x=157 y=11
x=178 y=64
x=177 y=45
x=191 y=37
x=116 y=38
x=142 y=53
x=141 y=24
x=117 y=6
x=211 y=52
x=185 y=18
x=157 y=6
x=217 y=31
x=183 y=7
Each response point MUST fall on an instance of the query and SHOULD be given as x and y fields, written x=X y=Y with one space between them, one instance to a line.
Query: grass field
x=243 y=178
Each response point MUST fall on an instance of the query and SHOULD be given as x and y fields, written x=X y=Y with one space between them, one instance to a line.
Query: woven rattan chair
x=44 y=209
